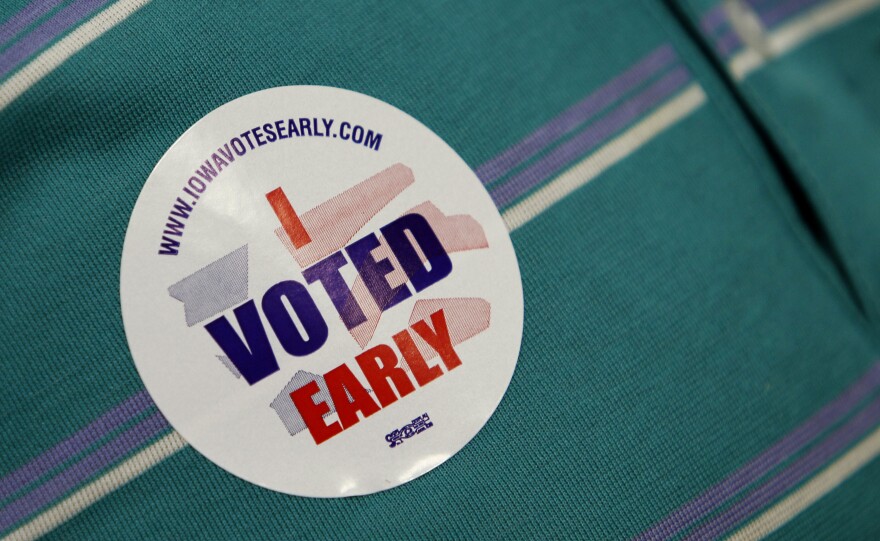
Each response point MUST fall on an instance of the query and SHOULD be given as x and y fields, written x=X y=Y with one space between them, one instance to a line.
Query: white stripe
x=606 y=156
x=55 y=55
x=831 y=477
x=800 y=29
x=72 y=505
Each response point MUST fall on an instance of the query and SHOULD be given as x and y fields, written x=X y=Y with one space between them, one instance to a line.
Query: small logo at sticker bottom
x=305 y=268
x=417 y=426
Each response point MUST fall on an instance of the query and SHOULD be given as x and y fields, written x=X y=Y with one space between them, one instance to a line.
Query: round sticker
x=319 y=293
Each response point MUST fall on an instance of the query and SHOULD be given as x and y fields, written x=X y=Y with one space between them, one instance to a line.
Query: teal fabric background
x=689 y=322
x=821 y=105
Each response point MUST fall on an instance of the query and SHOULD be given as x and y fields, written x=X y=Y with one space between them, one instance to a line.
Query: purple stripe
x=111 y=452
x=716 y=18
x=785 y=10
x=713 y=19
x=75 y=444
x=30 y=14
x=791 y=443
x=591 y=137
x=577 y=114
x=791 y=476
x=62 y=21
x=727 y=43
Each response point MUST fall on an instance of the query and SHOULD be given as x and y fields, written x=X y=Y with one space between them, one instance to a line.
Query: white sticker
x=319 y=294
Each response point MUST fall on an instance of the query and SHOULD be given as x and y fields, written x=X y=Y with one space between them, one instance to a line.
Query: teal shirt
x=695 y=321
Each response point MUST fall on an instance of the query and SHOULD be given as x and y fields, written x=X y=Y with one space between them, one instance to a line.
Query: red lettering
x=341 y=383
x=388 y=379
x=424 y=374
x=379 y=365
x=291 y=223
x=313 y=414
x=439 y=339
